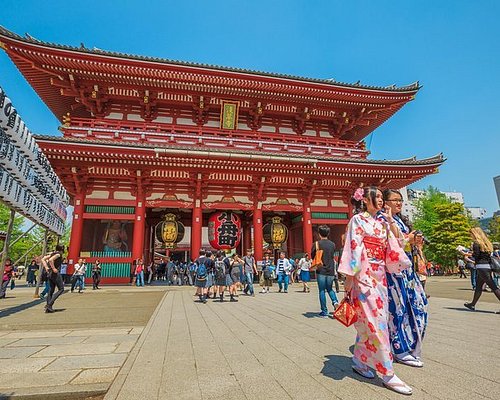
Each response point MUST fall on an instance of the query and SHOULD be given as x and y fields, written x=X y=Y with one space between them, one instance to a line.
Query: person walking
x=250 y=269
x=325 y=273
x=30 y=275
x=407 y=300
x=236 y=264
x=370 y=251
x=461 y=268
x=78 y=275
x=305 y=276
x=8 y=272
x=283 y=270
x=96 y=275
x=266 y=279
x=482 y=249
x=139 y=273
x=52 y=264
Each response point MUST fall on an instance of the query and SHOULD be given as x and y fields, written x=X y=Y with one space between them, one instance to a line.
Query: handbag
x=495 y=264
x=345 y=312
x=318 y=259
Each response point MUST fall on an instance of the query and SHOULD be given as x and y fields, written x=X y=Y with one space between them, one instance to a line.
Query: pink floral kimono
x=370 y=251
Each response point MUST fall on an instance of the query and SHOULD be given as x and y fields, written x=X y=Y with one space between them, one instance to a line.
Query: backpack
x=220 y=269
x=192 y=267
x=201 y=272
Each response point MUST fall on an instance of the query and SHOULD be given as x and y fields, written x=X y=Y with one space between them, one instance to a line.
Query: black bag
x=495 y=264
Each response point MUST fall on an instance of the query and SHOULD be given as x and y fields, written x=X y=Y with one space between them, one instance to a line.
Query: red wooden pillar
x=139 y=227
x=307 y=233
x=75 y=241
x=247 y=236
x=257 y=232
x=196 y=230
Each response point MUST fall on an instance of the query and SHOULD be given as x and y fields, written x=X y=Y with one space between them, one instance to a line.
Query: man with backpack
x=201 y=280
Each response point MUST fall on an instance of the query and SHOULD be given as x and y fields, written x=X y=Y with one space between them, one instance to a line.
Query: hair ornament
x=358 y=194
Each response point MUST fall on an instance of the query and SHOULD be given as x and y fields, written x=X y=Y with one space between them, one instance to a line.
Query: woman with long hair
x=481 y=252
x=370 y=251
x=407 y=299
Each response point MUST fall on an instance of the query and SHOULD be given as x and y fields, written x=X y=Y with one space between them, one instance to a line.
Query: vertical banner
x=229 y=114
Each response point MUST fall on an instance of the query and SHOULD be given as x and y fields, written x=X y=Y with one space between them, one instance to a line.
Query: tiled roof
x=437 y=159
x=82 y=49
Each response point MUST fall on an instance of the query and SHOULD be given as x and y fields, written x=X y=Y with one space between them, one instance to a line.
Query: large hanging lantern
x=275 y=232
x=170 y=231
x=224 y=230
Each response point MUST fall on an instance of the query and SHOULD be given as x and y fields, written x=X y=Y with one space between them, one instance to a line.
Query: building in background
x=411 y=196
x=496 y=180
x=146 y=137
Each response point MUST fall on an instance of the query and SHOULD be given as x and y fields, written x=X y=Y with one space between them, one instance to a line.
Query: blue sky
x=451 y=47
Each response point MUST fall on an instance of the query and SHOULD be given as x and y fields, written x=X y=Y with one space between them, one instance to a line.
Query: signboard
x=27 y=181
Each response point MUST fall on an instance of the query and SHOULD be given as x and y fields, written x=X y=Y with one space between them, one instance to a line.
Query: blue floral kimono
x=407 y=306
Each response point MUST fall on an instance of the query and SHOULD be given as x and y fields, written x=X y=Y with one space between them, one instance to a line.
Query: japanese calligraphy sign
x=224 y=230
x=229 y=114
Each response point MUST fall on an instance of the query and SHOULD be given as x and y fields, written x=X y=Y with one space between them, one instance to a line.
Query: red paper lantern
x=224 y=230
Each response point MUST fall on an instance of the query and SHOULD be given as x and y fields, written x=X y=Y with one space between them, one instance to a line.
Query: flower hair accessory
x=358 y=194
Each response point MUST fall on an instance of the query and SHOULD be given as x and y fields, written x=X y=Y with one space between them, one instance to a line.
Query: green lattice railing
x=109 y=209
x=329 y=215
x=103 y=254
x=111 y=270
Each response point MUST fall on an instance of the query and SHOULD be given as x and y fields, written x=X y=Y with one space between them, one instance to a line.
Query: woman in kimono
x=370 y=251
x=407 y=299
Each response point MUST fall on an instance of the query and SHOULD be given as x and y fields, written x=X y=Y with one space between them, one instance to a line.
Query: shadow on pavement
x=310 y=314
x=338 y=367
x=20 y=307
x=467 y=310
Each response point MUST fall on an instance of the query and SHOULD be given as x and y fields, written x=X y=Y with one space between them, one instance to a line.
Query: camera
x=420 y=233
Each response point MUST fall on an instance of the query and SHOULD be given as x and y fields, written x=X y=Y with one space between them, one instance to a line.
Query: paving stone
x=111 y=338
x=77 y=349
x=137 y=330
x=19 y=352
x=99 y=375
x=36 y=379
x=36 y=334
x=6 y=342
x=85 y=362
x=125 y=347
x=22 y=365
x=95 y=332
x=47 y=341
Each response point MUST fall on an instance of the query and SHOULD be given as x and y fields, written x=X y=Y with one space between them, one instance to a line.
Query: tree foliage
x=445 y=224
x=32 y=243
x=494 y=228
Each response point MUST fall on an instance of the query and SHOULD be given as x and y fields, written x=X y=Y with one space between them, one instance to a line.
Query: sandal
x=401 y=388
x=412 y=362
x=365 y=373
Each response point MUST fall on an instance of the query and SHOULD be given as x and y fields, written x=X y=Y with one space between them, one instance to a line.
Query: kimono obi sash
x=376 y=248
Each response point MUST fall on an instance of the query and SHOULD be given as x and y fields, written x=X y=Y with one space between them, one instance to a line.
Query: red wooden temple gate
x=142 y=136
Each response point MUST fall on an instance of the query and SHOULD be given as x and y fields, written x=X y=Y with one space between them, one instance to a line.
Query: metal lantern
x=170 y=231
x=224 y=230
x=275 y=232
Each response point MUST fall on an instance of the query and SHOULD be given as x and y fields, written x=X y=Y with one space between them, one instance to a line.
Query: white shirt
x=305 y=265
x=80 y=269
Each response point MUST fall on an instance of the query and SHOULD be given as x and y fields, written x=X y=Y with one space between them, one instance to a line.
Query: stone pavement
x=64 y=354
x=270 y=346
x=274 y=346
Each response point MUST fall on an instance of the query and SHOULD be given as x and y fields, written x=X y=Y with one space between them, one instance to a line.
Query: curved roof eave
x=411 y=88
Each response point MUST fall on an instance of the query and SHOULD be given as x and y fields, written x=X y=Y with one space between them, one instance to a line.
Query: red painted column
x=247 y=236
x=196 y=230
x=139 y=227
x=307 y=233
x=75 y=241
x=257 y=232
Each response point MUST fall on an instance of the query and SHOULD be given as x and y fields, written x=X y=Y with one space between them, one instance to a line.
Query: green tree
x=445 y=224
x=451 y=229
x=494 y=227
